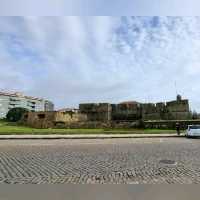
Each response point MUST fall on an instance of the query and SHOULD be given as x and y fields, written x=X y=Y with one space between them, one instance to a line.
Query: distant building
x=13 y=100
x=48 y=106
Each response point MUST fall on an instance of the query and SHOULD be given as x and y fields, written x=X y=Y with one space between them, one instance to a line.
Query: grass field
x=14 y=128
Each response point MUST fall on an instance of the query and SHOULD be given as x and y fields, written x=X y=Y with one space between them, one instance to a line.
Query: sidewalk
x=88 y=136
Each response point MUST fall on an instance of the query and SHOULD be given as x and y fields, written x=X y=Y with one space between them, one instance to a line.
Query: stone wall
x=170 y=124
x=101 y=114
x=96 y=111
x=39 y=119
x=150 y=111
x=126 y=111
x=52 y=119
x=131 y=111
x=172 y=110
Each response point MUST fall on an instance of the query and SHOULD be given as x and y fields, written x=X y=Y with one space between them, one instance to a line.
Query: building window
x=12 y=104
x=31 y=102
x=12 y=99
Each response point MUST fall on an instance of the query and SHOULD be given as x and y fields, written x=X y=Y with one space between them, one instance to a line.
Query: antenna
x=176 y=88
x=148 y=98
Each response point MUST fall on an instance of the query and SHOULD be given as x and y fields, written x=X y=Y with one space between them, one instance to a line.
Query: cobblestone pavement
x=100 y=161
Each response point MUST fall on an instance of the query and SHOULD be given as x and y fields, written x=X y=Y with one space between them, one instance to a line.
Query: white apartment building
x=13 y=100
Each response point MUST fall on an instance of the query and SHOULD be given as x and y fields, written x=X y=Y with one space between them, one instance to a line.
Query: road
x=133 y=161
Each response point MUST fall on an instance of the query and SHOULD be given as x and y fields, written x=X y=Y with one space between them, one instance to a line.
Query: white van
x=193 y=130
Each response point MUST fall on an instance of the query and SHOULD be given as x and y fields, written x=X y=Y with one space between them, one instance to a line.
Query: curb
x=50 y=137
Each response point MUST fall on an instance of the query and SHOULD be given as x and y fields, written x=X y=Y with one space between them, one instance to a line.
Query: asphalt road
x=166 y=160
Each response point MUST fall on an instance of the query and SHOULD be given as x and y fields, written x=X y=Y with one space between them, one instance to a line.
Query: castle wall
x=150 y=111
x=169 y=124
x=97 y=114
x=172 y=110
x=126 y=111
x=52 y=119
x=97 y=111
x=130 y=111
x=178 y=106
x=40 y=119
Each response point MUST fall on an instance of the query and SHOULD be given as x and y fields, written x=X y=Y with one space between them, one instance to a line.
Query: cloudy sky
x=101 y=59
x=99 y=7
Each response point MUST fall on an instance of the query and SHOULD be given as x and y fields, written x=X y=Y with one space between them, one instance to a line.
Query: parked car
x=193 y=131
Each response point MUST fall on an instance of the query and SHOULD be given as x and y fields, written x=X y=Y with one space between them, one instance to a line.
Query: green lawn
x=13 y=128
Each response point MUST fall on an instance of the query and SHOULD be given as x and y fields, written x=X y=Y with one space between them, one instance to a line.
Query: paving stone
x=132 y=161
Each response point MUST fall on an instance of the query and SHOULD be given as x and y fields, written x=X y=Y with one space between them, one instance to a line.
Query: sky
x=99 y=7
x=72 y=60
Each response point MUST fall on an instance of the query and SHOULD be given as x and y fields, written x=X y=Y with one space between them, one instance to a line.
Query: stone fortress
x=91 y=115
x=130 y=111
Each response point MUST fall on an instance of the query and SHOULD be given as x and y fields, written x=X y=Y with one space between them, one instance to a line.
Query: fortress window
x=41 y=116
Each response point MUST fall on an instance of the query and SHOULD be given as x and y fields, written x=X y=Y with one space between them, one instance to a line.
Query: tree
x=15 y=114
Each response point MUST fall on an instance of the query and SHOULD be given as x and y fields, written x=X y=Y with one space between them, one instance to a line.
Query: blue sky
x=101 y=59
x=99 y=7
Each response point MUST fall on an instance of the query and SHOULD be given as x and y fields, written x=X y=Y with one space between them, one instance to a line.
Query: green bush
x=15 y=114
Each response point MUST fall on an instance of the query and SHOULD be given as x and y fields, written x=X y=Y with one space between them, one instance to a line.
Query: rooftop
x=19 y=94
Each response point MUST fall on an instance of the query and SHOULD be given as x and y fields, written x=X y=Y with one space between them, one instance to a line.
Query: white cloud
x=80 y=59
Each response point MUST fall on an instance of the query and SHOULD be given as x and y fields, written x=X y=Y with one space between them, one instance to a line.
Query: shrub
x=15 y=114
x=60 y=124
x=140 y=124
